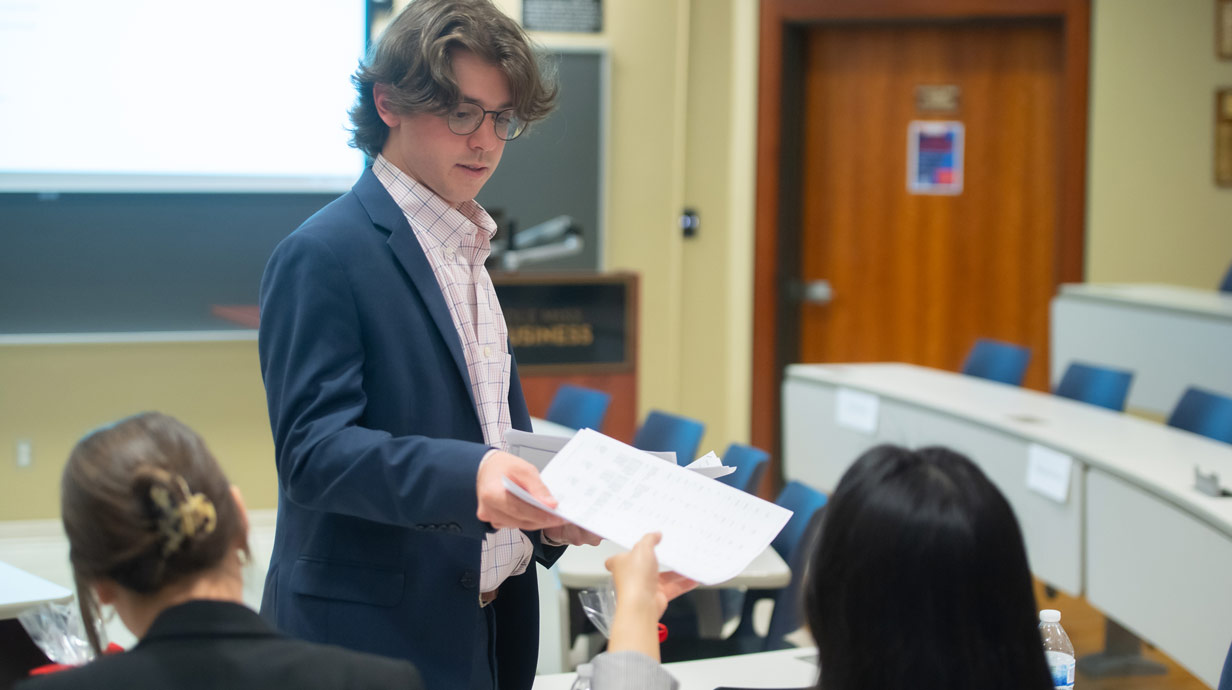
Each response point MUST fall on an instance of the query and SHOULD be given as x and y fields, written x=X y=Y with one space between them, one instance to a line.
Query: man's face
x=422 y=146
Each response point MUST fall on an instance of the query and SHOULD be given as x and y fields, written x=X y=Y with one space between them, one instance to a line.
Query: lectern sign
x=569 y=321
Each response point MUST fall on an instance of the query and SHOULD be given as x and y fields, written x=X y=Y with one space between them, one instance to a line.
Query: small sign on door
x=934 y=157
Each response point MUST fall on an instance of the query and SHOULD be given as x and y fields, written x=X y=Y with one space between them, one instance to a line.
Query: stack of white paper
x=711 y=531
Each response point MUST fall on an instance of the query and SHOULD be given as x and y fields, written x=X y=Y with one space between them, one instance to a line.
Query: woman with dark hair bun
x=156 y=531
x=918 y=579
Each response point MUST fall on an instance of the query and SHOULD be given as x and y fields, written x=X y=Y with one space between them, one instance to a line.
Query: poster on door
x=934 y=157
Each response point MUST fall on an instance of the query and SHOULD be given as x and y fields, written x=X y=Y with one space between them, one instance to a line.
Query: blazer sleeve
x=312 y=361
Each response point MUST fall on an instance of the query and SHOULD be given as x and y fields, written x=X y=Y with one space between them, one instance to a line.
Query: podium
x=578 y=328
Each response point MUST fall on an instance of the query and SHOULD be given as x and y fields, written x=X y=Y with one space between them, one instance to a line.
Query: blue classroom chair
x=1102 y=386
x=664 y=431
x=997 y=360
x=1205 y=413
x=578 y=408
x=750 y=464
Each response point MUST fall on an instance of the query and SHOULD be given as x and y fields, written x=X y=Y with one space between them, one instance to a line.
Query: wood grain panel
x=918 y=278
x=784 y=25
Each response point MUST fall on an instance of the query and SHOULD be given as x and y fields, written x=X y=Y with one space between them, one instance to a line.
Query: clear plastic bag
x=599 y=603
x=57 y=630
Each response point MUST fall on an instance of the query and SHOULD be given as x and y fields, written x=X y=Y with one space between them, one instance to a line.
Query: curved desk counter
x=1131 y=532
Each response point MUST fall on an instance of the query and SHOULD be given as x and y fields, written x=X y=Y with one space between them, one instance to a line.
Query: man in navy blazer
x=389 y=378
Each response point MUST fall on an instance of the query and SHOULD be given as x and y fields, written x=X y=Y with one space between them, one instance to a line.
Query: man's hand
x=570 y=533
x=501 y=508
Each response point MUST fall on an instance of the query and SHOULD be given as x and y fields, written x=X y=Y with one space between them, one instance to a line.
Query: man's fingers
x=589 y=538
x=526 y=476
x=511 y=511
x=501 y=508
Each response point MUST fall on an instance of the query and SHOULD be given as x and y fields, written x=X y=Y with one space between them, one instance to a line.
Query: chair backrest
x=997 y=360
x=1097 y=385
x=666 y=431
x=750 y=464
x=793 y=545
x=578 y=408
x=1203 y=412
x=1226 y=285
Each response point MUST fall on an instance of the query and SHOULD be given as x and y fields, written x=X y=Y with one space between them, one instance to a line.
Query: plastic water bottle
x=584 y=673
x=1057 y=649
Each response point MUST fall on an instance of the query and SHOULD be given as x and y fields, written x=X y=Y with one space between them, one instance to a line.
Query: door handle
x=817 y=292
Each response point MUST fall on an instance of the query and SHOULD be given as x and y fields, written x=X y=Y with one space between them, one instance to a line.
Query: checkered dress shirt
x=456 y=242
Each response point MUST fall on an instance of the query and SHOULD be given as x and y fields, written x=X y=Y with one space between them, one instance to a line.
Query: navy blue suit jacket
x=377 y=545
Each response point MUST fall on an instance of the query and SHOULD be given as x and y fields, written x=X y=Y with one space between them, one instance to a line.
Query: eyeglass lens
x=465 y=118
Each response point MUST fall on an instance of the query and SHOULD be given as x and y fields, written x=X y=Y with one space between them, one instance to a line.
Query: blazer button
x=468 y=579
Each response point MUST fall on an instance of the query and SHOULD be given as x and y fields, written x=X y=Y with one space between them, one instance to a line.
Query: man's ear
x=380 y=94
x=105 y=591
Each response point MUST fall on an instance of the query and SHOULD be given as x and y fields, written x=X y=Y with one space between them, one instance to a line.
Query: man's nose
x=485 y=137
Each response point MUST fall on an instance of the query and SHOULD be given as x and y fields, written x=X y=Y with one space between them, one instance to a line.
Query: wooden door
x=917 y=278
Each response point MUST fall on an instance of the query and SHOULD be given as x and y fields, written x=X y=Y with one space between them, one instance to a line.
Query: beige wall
x=52 y=394
x=716 y=288
x=682 y=133
x=1154 y=213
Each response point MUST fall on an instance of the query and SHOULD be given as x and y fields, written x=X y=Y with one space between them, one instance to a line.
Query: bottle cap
x=1050 y=616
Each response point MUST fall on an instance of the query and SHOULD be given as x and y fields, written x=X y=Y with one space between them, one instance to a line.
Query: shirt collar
x=429 y=214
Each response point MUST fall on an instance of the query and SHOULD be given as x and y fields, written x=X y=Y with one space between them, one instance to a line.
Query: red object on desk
x=112 y=648
x=662 y=633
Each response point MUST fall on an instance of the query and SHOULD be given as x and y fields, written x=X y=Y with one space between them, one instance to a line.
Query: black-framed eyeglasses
x=465 y=118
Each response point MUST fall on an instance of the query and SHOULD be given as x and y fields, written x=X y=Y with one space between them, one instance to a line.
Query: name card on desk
x=1048 y=472
x=856 y=410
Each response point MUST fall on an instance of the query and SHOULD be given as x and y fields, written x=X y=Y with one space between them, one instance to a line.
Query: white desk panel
x=1160 y=573
x=1170 y=336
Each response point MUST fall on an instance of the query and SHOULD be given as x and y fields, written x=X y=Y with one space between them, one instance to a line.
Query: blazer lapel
x=405 y=246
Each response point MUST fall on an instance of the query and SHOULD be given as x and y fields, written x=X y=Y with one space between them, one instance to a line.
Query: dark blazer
x=216 y=644
x=377 y=546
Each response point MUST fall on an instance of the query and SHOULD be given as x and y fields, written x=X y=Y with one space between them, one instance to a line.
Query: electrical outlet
x=25 y=452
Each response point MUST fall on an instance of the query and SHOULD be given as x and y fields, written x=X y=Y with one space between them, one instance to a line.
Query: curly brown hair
x=412 y=57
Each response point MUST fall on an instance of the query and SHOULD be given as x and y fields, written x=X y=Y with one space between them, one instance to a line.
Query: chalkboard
x=91 y=263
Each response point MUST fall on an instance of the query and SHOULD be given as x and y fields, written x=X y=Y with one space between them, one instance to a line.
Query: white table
x=785 y=668
x=20 y=591
x=1134 y=536
x=1170 y=336
x=543 y=426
